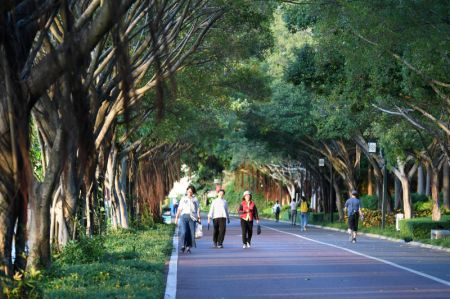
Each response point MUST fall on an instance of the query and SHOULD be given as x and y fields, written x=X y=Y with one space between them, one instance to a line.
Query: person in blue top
x=353 y=207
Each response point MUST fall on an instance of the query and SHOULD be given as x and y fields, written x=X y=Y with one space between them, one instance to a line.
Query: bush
x=86 y=250
x=22 y=285
x=419 y=228
x=369 y=202
x=416 y=197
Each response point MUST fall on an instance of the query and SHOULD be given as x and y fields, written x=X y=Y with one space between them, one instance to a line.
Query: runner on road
x=248 y=212
x=293 y=212
x=276 y=209
x=303 y=214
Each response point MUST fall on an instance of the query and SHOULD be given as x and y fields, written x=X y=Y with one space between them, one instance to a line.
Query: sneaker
x=182 y=249
x=188 y=249
x=220 y=246
x=244 y=246
x=248 y=244
x=215 y=245
x=354 y=240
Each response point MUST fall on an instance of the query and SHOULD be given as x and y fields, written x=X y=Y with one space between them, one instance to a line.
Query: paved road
x=286 y=263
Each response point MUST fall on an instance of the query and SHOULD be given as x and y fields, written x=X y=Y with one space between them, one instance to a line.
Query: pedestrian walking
x=303 y=214
x=218 y=212
x=248 y=212
x=276 y=209
x=353 y=207
x=175 y=206
x=293 y=212
x=188 y=215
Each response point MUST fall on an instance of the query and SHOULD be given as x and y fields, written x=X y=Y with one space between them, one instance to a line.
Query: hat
x=247 y=193
x=354 y=192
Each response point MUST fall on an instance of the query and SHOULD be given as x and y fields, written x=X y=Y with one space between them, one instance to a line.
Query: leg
x=191 y=241
x=216 y=230
x=250 y=231
x=182 y=231
x=244 y=231
x=222 y=229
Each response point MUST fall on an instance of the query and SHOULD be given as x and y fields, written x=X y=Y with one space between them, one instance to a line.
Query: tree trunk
x=369 y=181
x=428 y=181
x=446 y=185
x=338 y=201
x=420 y=181
x=436 y=211
x=407 y=206
x=398 y=194
x=6 y=234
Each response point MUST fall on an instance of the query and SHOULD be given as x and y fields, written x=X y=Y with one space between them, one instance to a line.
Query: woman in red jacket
x=248 y=212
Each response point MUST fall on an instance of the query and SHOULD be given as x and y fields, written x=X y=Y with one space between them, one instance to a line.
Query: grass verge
x=132 y=265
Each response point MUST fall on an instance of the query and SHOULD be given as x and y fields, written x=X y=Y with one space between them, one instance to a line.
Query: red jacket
x=248 y=210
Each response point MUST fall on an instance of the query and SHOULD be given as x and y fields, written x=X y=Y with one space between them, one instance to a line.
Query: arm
x=226 y=211
x=241 y=209
x=211 y=212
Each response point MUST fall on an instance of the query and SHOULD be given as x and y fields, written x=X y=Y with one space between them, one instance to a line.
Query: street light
x=373 y=150
x=322 y=164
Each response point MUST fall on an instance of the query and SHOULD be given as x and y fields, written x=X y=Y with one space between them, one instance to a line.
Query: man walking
x=276 y=209
x=293 y=212
x=353 y=207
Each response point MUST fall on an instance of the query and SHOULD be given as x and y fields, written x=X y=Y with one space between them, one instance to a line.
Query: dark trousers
x=277 y=216
x=247 y=231
x=220 y=226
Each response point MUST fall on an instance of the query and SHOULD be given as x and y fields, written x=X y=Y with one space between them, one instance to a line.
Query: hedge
x=420 y=228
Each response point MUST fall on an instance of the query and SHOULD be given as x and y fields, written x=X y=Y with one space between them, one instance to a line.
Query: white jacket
x=218 y=209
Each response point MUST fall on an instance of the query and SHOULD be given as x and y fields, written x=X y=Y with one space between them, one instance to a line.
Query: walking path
x=286 y=263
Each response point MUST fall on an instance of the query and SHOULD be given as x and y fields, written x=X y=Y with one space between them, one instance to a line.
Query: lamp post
x=373 y=149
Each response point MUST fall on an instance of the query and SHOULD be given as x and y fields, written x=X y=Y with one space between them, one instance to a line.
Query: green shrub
x=85 y=250
x=416 y=197
x=419 y=228
x=22 y=285
x=369 y=202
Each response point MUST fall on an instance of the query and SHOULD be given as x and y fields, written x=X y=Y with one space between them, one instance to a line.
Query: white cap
x=247 y=193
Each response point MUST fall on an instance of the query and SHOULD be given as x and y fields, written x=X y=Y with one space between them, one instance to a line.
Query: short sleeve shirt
x=352 y=204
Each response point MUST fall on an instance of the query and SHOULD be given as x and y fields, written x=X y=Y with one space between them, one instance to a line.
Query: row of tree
x=98 y=101
x=342 y=74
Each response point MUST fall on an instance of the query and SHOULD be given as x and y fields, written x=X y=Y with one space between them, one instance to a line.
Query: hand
x=228 y=221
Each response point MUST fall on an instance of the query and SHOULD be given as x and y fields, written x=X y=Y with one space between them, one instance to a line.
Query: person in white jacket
x=218 y=212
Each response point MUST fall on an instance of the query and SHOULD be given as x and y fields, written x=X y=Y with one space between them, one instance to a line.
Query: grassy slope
x=133 y=266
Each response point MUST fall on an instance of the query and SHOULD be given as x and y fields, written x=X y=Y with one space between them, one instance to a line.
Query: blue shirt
x=352 y=204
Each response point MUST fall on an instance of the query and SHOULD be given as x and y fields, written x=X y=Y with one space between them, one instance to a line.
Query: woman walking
x=248 y=212
x=218 y=212
x=188 y=214
x=304 y=213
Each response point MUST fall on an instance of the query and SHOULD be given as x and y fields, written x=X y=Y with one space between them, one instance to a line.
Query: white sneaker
x=244 y=246
x=248 y=245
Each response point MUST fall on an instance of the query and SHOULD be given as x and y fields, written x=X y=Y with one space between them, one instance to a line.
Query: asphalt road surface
x=286 y=263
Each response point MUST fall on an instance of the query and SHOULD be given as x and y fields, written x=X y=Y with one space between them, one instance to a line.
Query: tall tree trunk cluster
x=69 y=71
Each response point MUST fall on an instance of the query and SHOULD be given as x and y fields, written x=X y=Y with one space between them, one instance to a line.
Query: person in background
x=303 y=214
x=188 y=215
x=175 y=206
x=276 y=209
x=353 y=207
x=293 y=212
x=248 y=212
x=218 y=212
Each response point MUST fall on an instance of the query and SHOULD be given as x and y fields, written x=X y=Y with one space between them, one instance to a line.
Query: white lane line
x=171 y=284
x=444 y=282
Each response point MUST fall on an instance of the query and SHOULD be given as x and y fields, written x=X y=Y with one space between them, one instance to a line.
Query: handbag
x=258 y=230
x=198 y=231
